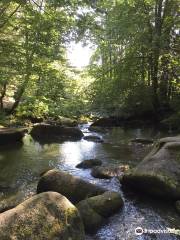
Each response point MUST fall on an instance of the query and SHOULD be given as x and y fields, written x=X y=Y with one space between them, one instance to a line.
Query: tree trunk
x=2 y=96
x=156 y=53
x=28 y=70
x=19 y=94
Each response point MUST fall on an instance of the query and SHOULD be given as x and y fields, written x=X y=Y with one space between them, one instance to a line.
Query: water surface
x=20 y=168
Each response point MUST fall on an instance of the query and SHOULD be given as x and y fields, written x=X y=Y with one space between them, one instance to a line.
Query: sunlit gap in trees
x=79 y=55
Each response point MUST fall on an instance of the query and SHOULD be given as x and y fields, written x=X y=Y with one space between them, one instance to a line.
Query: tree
x=32 y=43
x=136 y=48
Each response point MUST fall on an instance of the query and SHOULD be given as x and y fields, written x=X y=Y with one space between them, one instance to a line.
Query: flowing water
x=20 y=168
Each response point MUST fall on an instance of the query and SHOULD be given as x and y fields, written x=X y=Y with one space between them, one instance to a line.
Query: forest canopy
x=133 y=71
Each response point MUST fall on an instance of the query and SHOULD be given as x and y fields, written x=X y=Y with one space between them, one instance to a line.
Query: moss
x=45 y=216
x=91 y=219
x=154 y=184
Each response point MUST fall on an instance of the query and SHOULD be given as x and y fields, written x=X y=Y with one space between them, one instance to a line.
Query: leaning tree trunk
x=28 y=71
x=19 y=95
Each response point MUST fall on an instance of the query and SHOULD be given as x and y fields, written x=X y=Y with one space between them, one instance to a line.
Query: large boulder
x=47 y=216
x=109 y=171
x=11 y=135
x=89 y=163
x=159 y=173
x=47 y=132
x=74 y=188
x=95 y=210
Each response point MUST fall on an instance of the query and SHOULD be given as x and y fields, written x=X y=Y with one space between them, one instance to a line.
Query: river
x=20 y=168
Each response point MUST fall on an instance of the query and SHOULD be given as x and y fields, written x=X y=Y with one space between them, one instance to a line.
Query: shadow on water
x=20 y=169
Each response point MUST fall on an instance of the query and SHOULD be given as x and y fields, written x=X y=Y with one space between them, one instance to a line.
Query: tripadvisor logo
x=139 y=231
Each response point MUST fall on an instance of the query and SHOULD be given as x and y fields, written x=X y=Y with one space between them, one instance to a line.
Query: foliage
x=136 y=61
x=133 y=70
x=34 y=70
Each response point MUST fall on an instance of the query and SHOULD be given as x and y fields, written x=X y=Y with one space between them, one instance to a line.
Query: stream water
x=20 y=168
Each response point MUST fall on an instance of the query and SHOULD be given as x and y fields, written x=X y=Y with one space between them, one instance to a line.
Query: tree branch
x=9 y=17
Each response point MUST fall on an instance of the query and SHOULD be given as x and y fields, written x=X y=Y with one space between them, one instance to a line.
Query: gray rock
x=109 y=171
x=74 y=188
x=89 y=163
x=46 y=132
x=95 y=210
x=159 y=173
x=45 y=216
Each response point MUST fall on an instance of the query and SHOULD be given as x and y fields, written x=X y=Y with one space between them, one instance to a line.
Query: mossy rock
x=95 y=210
x=47 y=216
x=91 y=219
x=159 y=173
x=74 y=188
x=47 y=133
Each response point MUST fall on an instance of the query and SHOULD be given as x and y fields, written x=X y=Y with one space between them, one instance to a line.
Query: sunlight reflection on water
x=73 y=152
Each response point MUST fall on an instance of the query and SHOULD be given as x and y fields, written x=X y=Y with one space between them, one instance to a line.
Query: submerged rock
x=47 y=132
x=109 y=171
x=11 y=135
x=159 y=173
x=178 y=206
x=89 y=163
x=45 y=216
x=14 y=196
x=74 y=188
x=95 y=210
x=93 y=138
x=12 y=201
x=142 y=140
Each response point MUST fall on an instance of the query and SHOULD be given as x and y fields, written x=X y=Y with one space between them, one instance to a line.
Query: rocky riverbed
x=20 y=169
